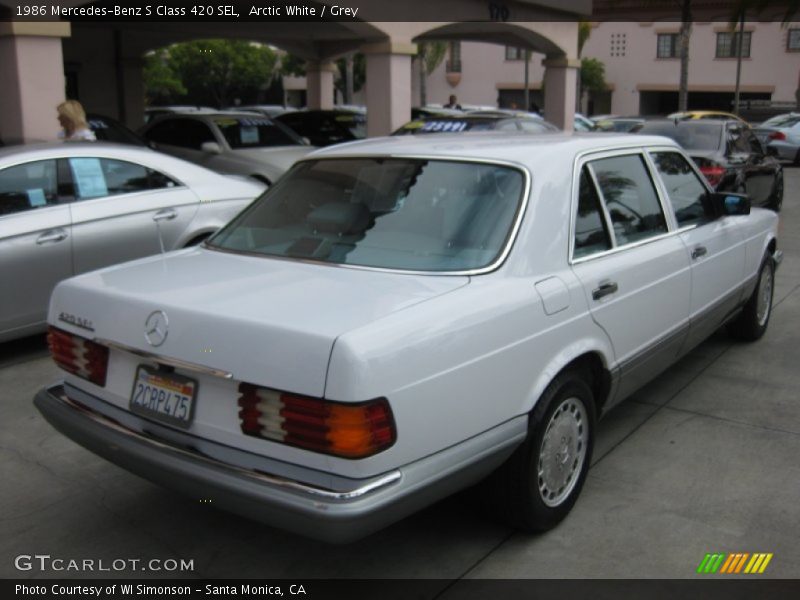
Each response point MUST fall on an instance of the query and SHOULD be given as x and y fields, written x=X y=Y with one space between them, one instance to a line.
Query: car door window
x=591 y=235
x=685 y=191
x=28 y=186
x=630 y=198
x=97 y=177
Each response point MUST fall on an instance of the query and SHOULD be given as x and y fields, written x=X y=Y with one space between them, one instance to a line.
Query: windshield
x=255 y=132
x=409 y=214
x=691 y=135
x=354 y=124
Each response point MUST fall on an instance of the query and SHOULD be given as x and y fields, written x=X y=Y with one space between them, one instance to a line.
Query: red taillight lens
x=346 y=430
x=713 y=172
x=79 y=356
x=777 y=135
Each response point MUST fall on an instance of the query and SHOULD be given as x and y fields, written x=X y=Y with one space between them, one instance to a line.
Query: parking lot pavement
x=704 y=459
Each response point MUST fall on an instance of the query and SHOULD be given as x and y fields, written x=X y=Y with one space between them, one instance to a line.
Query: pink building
x=642 y=68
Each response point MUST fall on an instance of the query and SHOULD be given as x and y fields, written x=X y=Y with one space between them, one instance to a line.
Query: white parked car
x=70 y=208
x=249 y=144
x=399 y=318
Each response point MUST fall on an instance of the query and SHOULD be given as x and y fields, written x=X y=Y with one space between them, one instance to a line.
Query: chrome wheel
x=563 y=452
x=764 y=296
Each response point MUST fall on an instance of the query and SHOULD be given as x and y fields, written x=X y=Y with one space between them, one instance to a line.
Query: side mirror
x=306 y=141
x=211 y=148
x=728 y=203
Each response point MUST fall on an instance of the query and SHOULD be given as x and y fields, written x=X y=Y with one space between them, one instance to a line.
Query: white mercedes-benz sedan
x=68 y=208
x=400 y=318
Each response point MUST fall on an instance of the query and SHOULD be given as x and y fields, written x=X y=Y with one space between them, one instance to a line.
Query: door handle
x=52 y=236
x=699 y=251
x=166 y=214
x=606 y=288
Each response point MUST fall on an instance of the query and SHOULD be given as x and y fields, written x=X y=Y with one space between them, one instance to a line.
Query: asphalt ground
x=704 y=459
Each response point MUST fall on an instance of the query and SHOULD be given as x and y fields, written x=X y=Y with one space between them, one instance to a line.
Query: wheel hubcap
x=764 y=296
x=563 y=452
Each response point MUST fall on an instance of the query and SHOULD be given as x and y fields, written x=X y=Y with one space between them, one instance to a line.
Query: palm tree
x=429 y=55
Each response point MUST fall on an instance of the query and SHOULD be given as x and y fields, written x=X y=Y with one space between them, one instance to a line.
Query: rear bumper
x=351 y=511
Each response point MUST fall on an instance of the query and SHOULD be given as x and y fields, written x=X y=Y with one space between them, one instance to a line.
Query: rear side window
x=630 y=198
x=28 y=186
x=98 y=177
x=591 y=236
x=685 y=191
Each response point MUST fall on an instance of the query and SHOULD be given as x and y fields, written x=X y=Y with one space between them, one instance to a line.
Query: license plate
x=164 y=397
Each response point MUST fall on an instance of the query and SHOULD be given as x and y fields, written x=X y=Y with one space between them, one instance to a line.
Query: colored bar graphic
x=754 y=563
x=727 y=564
x=702 y=567
x=734 y=563
x=717 y=563
x=765 y=563
x=741 y=562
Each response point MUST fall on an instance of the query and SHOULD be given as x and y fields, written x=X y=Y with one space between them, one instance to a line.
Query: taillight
x=712 y=171
x=777 y=135
x=346 y=430
x=79 y=356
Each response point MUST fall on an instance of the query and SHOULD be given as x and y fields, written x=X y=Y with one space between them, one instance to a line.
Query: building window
x=728 y=44
x=453 y=64
x=515 y=53
x=618 y=44
x=793 y=40
x=667 y=45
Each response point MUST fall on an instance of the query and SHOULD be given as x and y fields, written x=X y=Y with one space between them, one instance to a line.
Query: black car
x=485 y=121
x=107 y=129
x=326 y=127
x=729 y=154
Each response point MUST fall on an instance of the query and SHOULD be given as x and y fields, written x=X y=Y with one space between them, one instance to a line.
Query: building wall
x=628 y=51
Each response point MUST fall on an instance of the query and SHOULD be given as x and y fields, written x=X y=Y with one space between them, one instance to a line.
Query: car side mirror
x=728 y=203
x=306 y=141
x=211 y=148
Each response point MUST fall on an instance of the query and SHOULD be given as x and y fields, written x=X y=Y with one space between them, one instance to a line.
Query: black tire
x=797 y=158
x=751 y=324
x=517 y=491
x=775 y=201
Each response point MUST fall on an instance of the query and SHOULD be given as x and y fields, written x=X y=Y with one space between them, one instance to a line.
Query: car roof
x=141 y=154
x=699 y=114
x=515 y=147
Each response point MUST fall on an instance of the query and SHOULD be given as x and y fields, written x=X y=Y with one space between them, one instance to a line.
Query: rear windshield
x=408 y=214
x=255 y=132
x=692 y=135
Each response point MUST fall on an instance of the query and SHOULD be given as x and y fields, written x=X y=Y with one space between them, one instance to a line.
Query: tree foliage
x=429 y=56
x=359 y=73
x=292 y=66
x=593 y=75
x=210 y=71
x=161 y=82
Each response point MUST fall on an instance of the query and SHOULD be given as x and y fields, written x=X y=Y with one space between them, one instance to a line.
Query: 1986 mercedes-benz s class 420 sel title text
x=401 y=318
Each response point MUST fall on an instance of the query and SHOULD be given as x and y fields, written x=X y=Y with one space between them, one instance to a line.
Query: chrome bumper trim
x=296 y=486
x=165 y=360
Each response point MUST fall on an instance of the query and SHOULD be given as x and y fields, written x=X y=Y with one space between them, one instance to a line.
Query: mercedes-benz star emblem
x=156 y=328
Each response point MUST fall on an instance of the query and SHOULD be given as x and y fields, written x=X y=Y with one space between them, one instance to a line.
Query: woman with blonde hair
x=72 y=118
